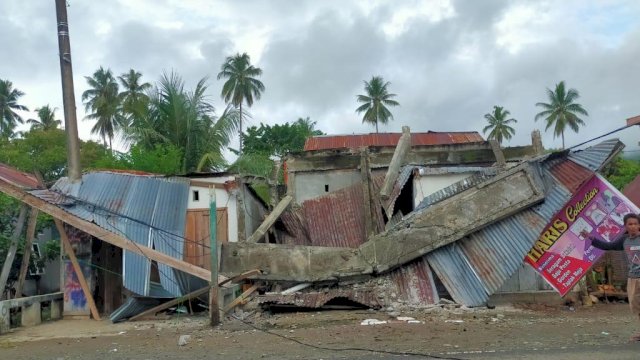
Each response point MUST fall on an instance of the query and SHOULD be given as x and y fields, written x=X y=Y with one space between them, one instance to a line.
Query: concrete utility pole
x=68 y=97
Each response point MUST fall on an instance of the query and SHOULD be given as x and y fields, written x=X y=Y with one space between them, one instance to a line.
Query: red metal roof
x=17 y=177
x=328 y=142
x=632 y=191
x=570 y=174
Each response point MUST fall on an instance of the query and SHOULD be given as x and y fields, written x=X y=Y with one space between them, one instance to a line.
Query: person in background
x=630 y=243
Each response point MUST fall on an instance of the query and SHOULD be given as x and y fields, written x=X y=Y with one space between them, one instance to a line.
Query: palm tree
x=562 y=110
x=103 y=104
x=376 y=101
x=134 y=91
x=499 y=124
x=241 y=85
x=46 y=119
x=9 y=118
x=186 y=120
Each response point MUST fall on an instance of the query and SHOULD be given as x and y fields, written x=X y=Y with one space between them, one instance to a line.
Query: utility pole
x=214 y=309
x=68 y=97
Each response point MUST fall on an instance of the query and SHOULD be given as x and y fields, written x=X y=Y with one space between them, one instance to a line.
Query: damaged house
x=366 y=219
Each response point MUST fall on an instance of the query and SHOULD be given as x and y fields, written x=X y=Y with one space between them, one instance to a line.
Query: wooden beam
x=404 y=144
x=214 y=312
x=205 y=184
x=271 y=219
x=192 y=295
x=68 y=249
x=171 y=303
x=13 y=249
x=241 y=298
x=31 y=234
x=100 y=233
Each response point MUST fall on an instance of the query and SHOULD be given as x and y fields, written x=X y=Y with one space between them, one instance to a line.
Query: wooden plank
x=192 y=295
x=31 y=234
x=100 y=233
x=205 y=184
x=13 y=249
x=404 y=144
x=271 y=219
x=68 y=249
x=241 y=298
x=171 y=303
x=214 y=312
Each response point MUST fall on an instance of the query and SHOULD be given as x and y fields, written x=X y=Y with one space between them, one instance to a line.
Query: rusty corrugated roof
x=415 y=284
x=632 y=191
x=17 y=177
x=336 y=219
x=570 y=174
x=330 y=142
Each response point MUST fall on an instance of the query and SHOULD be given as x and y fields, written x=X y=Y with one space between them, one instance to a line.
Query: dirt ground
x=445 y=333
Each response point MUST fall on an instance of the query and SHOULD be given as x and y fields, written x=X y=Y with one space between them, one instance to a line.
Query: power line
x=600 y=137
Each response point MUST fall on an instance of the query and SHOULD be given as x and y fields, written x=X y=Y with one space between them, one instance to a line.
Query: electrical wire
x=601 y=136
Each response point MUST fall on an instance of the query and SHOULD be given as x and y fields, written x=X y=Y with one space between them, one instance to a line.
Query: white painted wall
x=426 y=185
x=223 y=200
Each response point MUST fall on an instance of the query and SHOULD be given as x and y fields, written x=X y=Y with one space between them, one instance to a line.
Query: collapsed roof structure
x=367 y=219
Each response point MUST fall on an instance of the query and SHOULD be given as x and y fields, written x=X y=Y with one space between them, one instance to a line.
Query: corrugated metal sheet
x=317 y=299
x=17 y=177
x=336 y=219
x=296 y=226
x=455 y=272
x=329 y=142
x=570 y=174
x=477 y=266
x=632 y=191
x=414 y=283
x=137 y=200
x=595 y=156
x=132 y=307
x=378 y=180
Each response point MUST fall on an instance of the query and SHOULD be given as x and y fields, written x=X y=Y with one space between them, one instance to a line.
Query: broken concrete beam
x=416 y=235
x=270 y=220
x=291 y=262
x=455 y=218
x=399 y=155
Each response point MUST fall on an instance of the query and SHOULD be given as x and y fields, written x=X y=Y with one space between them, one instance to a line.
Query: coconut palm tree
x=241 y=85
x=134 y=91
x=562 y=110
x=375 y=102
x=102 y=102
x=46 y=119
x=9 y=118
x=499 y=124
x=186 y=120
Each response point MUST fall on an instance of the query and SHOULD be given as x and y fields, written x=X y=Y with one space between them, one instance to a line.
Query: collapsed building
x=368 y=219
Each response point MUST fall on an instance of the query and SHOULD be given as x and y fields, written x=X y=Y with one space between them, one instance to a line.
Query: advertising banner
x=562 y=254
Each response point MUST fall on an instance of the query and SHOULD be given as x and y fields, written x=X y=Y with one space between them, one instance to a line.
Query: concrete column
x=536 y=141
x=56 y=309
x=31 y=314
x=5 y=317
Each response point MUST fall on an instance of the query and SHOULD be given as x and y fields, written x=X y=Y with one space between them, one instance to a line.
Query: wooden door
x=197 y=234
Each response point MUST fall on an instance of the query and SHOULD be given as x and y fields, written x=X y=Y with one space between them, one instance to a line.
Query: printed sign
x=562 y=254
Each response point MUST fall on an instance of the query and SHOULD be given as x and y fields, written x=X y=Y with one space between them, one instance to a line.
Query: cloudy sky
x=449 y=62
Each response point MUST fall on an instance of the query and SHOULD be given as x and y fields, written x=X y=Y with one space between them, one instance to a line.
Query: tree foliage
x=242 y=85
x=46 y=119
x=623 y=171
x=280 y=139
x=375 y=102
x=561 y=111
x=9 y=105
x=102 y=102
x=499 y=124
